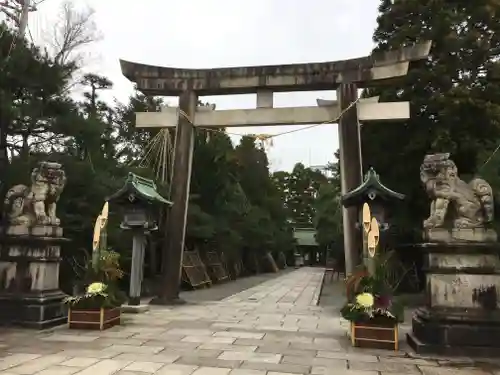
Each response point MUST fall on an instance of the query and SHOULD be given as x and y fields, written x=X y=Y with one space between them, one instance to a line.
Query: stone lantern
x=378 y=197
x=375 y=198
x=139 y=200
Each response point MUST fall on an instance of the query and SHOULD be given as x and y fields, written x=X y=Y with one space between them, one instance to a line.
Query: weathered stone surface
x=165 y=81
x=335 y=371
x=458 y=235
x=432 y=370
x=148 y=367
x=399 y=368
x=208 y=362
x=38 y=364
x=250 y=357
x=276 y=367
x=177 y=369
x=80 y=362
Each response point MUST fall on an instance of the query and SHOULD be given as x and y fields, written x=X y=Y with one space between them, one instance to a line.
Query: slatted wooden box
x=95 y=319
x=375 y=335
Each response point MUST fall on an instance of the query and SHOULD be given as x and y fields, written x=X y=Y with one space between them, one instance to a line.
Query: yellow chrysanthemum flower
x=96 y=288
x=365 y=299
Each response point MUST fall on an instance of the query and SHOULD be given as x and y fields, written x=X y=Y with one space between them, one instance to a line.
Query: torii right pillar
x=351 y=170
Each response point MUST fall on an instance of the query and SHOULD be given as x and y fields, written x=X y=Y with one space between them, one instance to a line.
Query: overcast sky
x=223 y=33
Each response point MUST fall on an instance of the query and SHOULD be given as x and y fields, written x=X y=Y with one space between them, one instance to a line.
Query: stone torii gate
x=347 y=76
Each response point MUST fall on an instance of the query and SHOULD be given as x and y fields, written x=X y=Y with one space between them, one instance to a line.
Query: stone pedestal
x=462 y=311
x=29 y=277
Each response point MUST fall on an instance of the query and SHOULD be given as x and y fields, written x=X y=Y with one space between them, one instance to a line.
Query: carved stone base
x=460 y=235
x=29 y=280
x=37 y=310
x=455 y=332
x=462 y=309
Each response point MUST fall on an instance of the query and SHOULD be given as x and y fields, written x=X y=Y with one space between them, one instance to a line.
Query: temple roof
x=142 y=187
x=371 y=188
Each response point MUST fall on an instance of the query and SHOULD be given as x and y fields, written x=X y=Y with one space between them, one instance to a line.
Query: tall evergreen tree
x=455 y=102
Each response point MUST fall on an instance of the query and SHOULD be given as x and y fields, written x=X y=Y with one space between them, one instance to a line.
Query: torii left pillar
x=351 y=171
x=174 y=235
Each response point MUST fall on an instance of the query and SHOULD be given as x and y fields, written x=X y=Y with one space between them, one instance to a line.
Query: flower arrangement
x=103 y=293
x=370 y=298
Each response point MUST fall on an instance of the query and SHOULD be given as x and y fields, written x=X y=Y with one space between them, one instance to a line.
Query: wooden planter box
x=375 y=336
x=98 y=319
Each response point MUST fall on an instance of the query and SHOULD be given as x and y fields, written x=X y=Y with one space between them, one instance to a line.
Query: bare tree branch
x=74 y=30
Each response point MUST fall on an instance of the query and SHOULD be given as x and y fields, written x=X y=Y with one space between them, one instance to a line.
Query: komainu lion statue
x=36 y=204
x=455 y=203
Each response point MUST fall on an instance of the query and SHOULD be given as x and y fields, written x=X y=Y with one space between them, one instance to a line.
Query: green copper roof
x=142 y=187
x=371 y=188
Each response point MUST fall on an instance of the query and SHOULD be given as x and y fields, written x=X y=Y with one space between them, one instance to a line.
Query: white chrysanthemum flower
x=96 y=288
x=365 y=299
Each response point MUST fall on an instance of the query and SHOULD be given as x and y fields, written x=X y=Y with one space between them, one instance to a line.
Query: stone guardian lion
x=455 y=204
x=36 y=204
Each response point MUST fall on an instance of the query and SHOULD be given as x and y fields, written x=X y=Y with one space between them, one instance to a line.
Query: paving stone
x=209 y=340
x=286 y=351
x=80 y=362
x=190 y=332
x=69 y=338
x=38 y=364
x=99 y=354
x=35 y=349
x=201 y=324
x=135 y=349
x=320 y=370
x=172 y=344
x=229 y=337
x=105 y=367
x=379 y=352
x=276 y=367
x=203 y=353
x=286 y=337
x=211 y=371
x=16 y=359
x=339 y=363
x=239 y=335
x=239 y=371
x=250 y=356
x=433 y=370
x=310 y=346
x=163 y=357
x=107 y=341
x=410 y=361
x=265 y=343
x=58 y=370
x=116 y=334
x=146 y=336
x=227 y=347
x=400 y=368
x=177 y=369
x=350 y=356
x=208 y=362
x=148 y=367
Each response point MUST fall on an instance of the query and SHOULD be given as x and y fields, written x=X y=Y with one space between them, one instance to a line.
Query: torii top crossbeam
x=364 y=71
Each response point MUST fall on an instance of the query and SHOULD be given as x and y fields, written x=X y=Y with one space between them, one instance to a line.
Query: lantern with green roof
x=139 y=199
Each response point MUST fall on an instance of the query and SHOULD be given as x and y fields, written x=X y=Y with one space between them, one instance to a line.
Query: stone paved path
x=275 y=328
